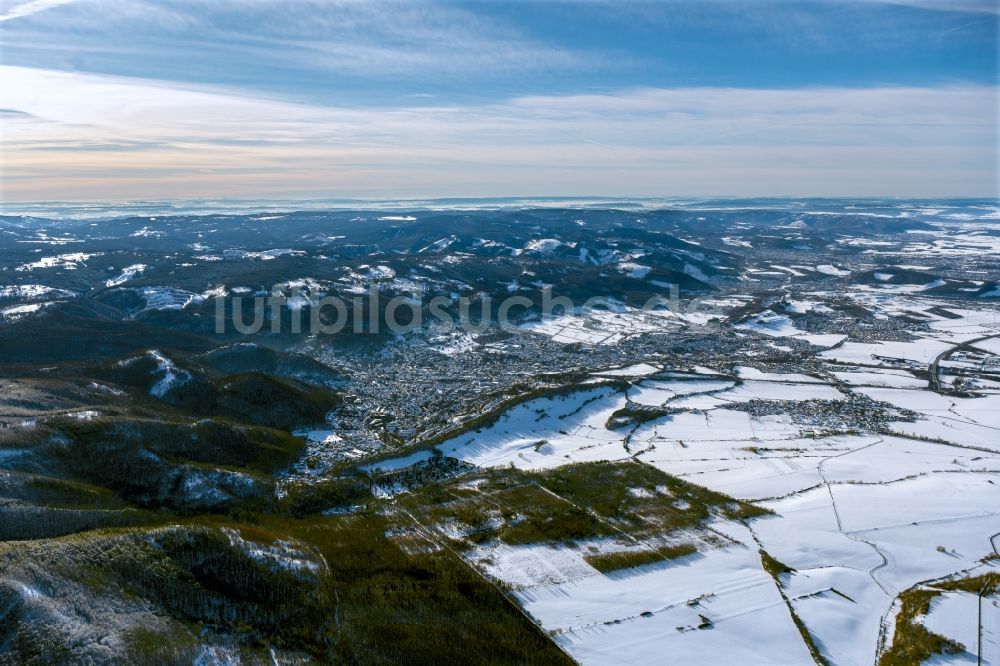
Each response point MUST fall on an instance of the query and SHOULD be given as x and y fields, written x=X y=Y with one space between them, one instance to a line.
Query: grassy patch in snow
x=912 y=642
x=505 y=505
x=640 y=499
x=607 y=562
x=570 y=503
x=633 y=415
x=776 y=568
x=773 y=566
x=987 y=584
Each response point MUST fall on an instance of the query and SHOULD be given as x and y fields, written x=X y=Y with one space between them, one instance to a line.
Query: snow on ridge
x=543 y=245
x=168 y=298
x=128 y=273
x=70 y=261
x=780 y=326
x=634 y=270
x=146 y=232
x=172 y=378
x=281 y=555
x=264 y=255
x=439 y=244
x=29 y=291
x=830 y=269
x=793 y=306
x=380 y=273
x=84 y=415
x=18 y=311
x=695 y=272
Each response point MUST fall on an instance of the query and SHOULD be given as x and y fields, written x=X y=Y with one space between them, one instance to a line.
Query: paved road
x=934 y=383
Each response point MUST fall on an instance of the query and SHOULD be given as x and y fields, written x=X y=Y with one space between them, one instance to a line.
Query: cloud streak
x=96 y=137
x=28 y=8
x=387 y=39
x=970 y=6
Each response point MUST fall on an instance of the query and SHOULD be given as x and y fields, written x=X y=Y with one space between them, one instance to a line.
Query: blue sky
x=131 y=99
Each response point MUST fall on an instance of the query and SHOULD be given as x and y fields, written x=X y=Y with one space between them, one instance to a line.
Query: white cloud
x=388 y=39
x=974 y=6
x=87 y=136
x=28 y=8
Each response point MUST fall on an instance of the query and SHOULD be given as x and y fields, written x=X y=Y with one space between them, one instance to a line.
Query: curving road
x=934 y=382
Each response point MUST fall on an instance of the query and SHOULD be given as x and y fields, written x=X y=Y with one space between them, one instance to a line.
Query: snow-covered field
x=860 y=514
x=717 y=607
x=956 y=615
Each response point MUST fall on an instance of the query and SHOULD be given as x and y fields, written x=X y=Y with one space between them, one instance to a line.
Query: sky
x=137 y=99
